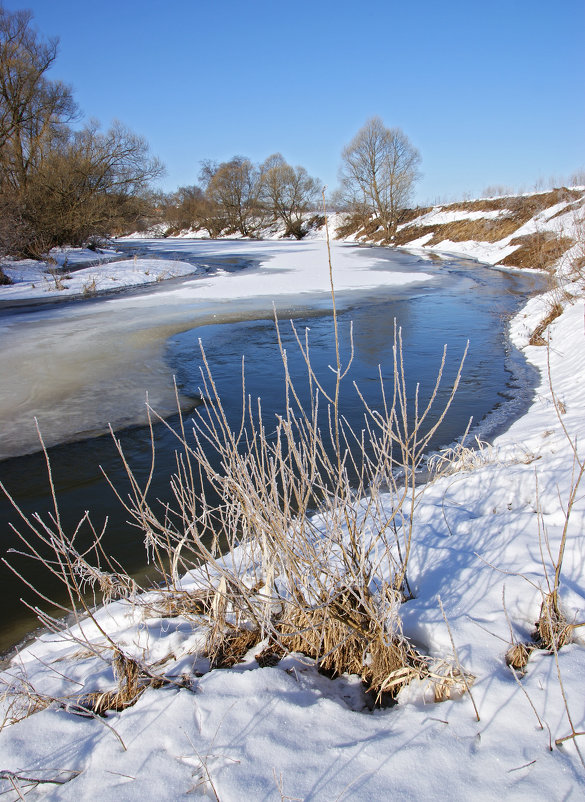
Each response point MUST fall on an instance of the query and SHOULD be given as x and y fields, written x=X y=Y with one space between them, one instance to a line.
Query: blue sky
x=490 y=93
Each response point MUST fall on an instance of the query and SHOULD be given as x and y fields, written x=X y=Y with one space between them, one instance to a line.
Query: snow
x=564 y=219
x=290 y=268
x=34 y=280
x=289 y=732
x=439 y=217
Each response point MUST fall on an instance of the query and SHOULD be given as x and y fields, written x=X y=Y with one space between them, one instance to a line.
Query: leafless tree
x=288 y=192
x=90 y=184
x=234 y=187
x=58 y=186
x=34 y=111
x=379 y=168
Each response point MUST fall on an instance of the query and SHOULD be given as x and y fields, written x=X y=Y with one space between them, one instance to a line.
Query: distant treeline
x=238 y=196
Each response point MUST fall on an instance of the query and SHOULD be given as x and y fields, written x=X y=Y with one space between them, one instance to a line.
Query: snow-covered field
x=485 y=541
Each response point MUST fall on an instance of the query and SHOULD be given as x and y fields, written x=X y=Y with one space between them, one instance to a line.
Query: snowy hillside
x=532 y=231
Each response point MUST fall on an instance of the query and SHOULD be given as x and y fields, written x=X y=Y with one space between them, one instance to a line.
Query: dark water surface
x=464 y=301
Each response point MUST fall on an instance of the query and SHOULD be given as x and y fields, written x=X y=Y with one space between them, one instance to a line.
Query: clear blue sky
x=490 y=93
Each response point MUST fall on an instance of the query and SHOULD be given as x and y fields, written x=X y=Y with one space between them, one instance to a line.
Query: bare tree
x=58 y=186
x=380 y=166
x=288 y=192
x=34 y=111
x=234 y=187
x=92 y=185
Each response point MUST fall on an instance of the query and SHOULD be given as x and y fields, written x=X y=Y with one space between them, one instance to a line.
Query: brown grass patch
x=345 y=638
x=537 y=251
x=131 y=685
x=351 y=225
x=101 y=702
x=573 y=207
x=173 y=604
x=518 y=655
x=552 y=628
x=536 y=337
x=408 y=215
x=521 y=209
x=460 y=231
x=231 y=647
x=552 y=632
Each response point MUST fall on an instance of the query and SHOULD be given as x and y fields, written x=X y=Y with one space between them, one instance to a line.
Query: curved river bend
x=77 y=366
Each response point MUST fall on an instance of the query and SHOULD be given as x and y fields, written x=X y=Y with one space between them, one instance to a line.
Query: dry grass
x=449 y=682
x=408 y=215
x=460 y=458
x=18 y=699
x=231 y=646
x=573 y=207
x=518 y=655
x=132 y=681
x=552 y=628
x=552 y=632
x=539 y=250
x=355 y=224
x=89 y=288
x=536 y=337
x=482 y=230
x=174 y=603
x=516 y=210
x=351 y=634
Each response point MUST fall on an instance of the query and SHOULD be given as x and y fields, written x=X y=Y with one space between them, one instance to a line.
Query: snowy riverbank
x=485 y=539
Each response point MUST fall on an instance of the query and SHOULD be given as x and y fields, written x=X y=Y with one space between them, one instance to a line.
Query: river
x=78 y=365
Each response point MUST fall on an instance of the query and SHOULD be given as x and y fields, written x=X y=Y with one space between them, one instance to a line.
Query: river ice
x=77 y=367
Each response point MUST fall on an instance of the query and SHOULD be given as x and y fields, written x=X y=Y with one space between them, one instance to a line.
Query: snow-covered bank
x=538 y=231
x=42 y=281
x=483 y=542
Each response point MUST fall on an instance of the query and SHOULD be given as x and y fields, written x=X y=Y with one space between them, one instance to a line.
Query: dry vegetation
x=538 y=250
x=537 y=336
x=482 y=230
x=515 y=212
